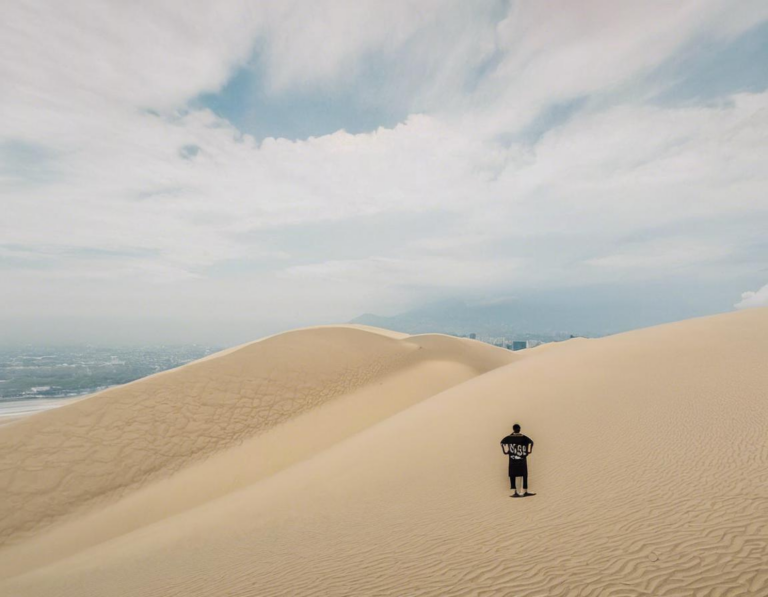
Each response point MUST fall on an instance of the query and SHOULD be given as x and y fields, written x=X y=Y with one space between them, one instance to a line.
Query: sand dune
x=651 y=468
x=135 y=454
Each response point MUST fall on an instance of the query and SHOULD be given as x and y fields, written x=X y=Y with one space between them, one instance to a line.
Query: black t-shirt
x=518 y=446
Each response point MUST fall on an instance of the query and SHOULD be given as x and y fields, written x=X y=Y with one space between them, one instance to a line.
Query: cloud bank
x=753 y=299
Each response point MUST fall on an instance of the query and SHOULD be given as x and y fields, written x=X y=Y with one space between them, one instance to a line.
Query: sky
x=193 y=171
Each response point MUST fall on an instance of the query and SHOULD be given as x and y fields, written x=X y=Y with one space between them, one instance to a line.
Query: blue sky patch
x=354 y=106
x=712 y=69
x=22 y=162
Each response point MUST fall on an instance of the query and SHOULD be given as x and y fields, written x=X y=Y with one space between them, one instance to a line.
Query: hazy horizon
x=184 y=173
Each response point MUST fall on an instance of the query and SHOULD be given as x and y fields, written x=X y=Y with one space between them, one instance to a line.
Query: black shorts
x=518 y=468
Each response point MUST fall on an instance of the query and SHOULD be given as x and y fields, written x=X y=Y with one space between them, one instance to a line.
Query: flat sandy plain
x=356 y=461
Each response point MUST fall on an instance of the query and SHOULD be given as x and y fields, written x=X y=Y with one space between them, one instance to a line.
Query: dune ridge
x=651 y=468
x=115 y=442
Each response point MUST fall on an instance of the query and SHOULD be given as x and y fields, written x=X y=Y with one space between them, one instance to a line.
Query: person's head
x=516 y=428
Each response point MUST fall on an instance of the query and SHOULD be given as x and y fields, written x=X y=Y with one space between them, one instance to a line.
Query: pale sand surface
x=651 y=468
x=137 y=453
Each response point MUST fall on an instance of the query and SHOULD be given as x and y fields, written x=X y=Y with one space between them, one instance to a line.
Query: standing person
x=517 y=446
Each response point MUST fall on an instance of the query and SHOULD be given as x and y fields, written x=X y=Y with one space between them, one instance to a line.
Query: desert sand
x=355 y=461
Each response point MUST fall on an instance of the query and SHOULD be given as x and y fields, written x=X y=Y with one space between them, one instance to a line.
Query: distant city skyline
x=215 y=173
x=28 y=373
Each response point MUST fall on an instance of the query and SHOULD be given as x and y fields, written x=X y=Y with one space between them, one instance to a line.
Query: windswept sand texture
x=651 y=467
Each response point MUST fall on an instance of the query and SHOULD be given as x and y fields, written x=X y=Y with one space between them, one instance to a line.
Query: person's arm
x=505 y=448
x=530 y=445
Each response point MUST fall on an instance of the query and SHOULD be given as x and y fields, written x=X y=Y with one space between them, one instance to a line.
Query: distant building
x=473 y=336
x=519 y=344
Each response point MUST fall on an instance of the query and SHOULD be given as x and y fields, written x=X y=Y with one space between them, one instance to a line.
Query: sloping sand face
x=132 y=455
x=650 y=464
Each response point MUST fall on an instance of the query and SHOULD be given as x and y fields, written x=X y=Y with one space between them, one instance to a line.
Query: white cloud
x=658 y=257
x=134 y=191
x=93 y=53
x=325 y=41
x=420 y=272
x=753 y=299
x=558 y=51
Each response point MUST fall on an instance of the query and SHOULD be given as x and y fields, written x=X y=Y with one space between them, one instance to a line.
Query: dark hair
x=516 y=428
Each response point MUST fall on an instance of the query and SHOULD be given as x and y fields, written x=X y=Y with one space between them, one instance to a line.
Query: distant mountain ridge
x=458 y=317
